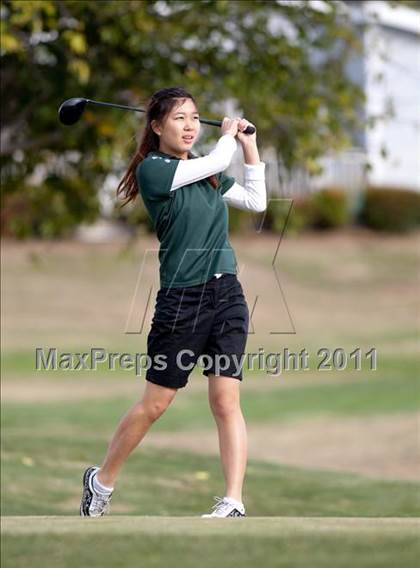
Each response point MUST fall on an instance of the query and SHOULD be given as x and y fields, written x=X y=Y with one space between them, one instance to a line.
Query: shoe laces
x=221 y=505
x=100 y=503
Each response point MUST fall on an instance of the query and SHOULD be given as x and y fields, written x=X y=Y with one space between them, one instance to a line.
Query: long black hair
x=158 y=107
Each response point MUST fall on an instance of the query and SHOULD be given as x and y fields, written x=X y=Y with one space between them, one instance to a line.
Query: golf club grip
x=248 y=129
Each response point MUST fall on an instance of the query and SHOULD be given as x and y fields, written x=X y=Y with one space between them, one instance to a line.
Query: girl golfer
x=200 y=307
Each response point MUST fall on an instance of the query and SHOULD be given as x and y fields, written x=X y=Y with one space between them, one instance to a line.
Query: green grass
x=72 y=434
x=186 y=542
x=193 y=413
x=162 y=482
x=380 y=265
x=395 y=389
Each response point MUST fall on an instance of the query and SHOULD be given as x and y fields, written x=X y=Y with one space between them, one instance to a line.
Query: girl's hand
x=230 y=126
x=246 y=139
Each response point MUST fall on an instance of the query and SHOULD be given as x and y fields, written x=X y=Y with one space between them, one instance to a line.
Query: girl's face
x=179 y=130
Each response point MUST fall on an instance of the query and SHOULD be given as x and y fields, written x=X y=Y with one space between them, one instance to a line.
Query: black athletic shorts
x=208 y=320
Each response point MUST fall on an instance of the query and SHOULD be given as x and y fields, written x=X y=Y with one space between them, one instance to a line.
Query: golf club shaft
x=249 y=129
x=114 y=105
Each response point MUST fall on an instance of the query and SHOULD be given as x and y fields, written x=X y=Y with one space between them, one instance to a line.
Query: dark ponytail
x=159 y=106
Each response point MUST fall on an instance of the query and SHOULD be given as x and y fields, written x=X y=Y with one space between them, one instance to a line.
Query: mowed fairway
x=333 y=474
x=158 y=541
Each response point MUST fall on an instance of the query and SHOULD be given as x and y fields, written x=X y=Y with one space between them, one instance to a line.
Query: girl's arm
x=190 y=171
x=253 y=195
x=250 y=197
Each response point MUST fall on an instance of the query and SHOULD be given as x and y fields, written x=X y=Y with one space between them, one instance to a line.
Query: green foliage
x=330 y=208
x=301 y=216
x=390 y=209
x=239 y=220
x=293 y=216
x=52 y=209
x=134 y=215
x=326 y=208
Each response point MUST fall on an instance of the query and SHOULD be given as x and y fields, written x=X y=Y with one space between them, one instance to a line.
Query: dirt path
x=384 y=446
x=44 y=390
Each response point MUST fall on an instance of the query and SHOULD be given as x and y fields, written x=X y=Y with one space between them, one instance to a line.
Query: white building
x=391 y=79
x=388 y=152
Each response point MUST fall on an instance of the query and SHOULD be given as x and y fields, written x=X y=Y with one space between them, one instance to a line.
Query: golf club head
x=71 y=110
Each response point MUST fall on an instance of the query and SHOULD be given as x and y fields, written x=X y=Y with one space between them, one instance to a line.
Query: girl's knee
x=154 y=410
x=155 y=406
x=224 y=406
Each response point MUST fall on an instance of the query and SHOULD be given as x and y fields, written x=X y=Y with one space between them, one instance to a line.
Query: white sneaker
x=93 y=504
x=226 y=507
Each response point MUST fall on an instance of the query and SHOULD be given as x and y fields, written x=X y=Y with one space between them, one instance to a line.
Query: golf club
x=72 y=109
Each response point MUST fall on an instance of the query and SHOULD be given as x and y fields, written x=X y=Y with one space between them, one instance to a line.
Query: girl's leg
x=224 y=399
x=132 y=428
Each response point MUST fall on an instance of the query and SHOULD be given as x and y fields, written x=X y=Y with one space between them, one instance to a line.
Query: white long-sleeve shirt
x=250 y=197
